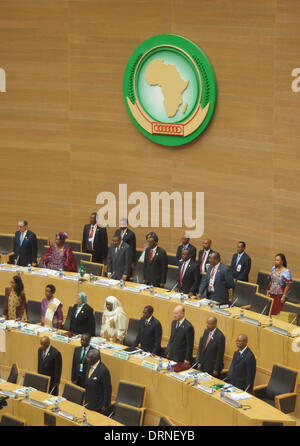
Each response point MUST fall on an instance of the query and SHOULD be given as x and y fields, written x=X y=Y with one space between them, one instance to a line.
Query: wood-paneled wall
x=65 y=135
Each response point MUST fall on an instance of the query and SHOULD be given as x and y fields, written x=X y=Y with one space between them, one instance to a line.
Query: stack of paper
x=53 y=400
x=240 y=396
x=23 y=390
x=39 y=272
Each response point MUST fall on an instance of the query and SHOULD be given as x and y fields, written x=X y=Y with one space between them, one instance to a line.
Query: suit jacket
x=27 y=252
x=130 y=239
x=243 y=266
x=211 y=357
x=223 y=281
x=98 y=388
x=84 y=322
x=181 y=342
x=155 y=272
x=20 y=309
x=193 y=251
x=207 y=264
x=119 y=263
x=190 y=279
x=77 y=376
x=242 y=370
x=99 y=252
x=149 y=336
x=51 y=366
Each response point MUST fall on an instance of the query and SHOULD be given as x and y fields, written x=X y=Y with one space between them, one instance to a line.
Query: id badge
x=207 y=265
x=81 y=368
x=238 y=268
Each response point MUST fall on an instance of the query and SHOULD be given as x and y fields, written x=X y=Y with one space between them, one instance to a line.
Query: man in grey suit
x=218 y=280
x=118 y=259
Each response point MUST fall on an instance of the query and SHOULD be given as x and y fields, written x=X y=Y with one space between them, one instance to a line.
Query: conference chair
x=293 y=295
x=75 y=245
x=2 y=298
x=6 y=244
x=73 y=393
x=40 y=257
x=294 y=309
x=49 y=419
x=261 y=304
x=131 y=394
x=33 y=312
x=79 y=256
x=97 y=269
x=128 y=416
x=263 y=280
x=172 y=259
x=280 y=392
x=67 y=322
x=9 y=420
x=171 y=280
x=243 y=293
x=37 y=381
x=132 y=332
x=165 y=421
x=13 y=374
x=98 y=322
x=41 y=242
x=138 y=254
x=138 y=273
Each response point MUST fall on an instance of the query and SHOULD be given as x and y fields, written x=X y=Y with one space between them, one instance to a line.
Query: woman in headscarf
x=114 y=321
x=51 y=309
x=59 y=255
x=82 y=316
x=15 y=300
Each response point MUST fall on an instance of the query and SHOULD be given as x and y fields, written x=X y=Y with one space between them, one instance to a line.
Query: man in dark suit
x=118 y=259
x=150 y=332
x=181 y=342
x=243 y=366
x=94 y=240
x=155 y=263
x=211 y=349
x=97 y=384
x=241 y=264
x=128 y=237
x=25 y=245
x=203 y=257
x=80 y=365
x=188 y=274
x=186 y=245
x=50 y=363
x=217 y=281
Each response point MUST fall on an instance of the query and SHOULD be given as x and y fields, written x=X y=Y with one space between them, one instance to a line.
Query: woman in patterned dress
x=15 y=300
x=59 y=255
x=280 y=279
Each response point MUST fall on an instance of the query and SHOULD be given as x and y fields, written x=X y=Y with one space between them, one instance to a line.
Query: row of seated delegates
x=60 y=256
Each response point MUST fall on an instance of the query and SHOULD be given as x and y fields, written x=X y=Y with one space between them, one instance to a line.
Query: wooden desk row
x=165 y=395
x=34 y=416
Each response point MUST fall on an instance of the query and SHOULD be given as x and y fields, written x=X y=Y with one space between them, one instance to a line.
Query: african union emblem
x=170 y=89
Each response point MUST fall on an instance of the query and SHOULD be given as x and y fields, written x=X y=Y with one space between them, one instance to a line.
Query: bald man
x=50 y=363
x=203 y=257
x=211 y=349
x=181 y=342
x=243 y=366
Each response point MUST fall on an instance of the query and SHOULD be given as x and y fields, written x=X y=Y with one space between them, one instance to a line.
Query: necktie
x=207 y=340
x=181 y=274
x=151 y=255
x=21 y=238
x=237 y=260
x=44 y=355
x=91 y=371
x=90 y=246
x=83 y=354
x=202 y=261
x=177 y=325
x=146 y=323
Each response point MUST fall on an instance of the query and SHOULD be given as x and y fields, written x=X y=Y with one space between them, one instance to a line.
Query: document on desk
x=240 y=396
x=23 y=390
x=53 y=400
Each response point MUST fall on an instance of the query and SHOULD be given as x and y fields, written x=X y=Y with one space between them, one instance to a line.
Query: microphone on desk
x=247 y=388
x=291 y=323
x=234 y=302
x=262 y=313
x=52 y=389
x=174 y=287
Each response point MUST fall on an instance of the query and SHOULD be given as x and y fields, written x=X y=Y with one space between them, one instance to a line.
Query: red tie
x=202 y=261
x=151 y=255
x=181 y=274
x=207 y=340
x=90 y=246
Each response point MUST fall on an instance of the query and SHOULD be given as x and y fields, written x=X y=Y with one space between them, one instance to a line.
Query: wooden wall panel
x=65 y=135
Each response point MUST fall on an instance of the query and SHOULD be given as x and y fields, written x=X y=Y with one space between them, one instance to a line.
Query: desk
x=165 y=395
x=34 y=416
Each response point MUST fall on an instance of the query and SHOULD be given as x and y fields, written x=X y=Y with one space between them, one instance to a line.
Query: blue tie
x=21 y=238
x=237 y=260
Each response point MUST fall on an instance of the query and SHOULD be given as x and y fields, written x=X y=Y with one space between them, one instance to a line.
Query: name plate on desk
x=37 y=403
x=2 y=326
x=162 y=296
x=8 y=393
x=60 y=338
x=219 y=310
x=204 y=388
x=192 y=303
x=279 y=330
x=132 y=289
x=121 y=355
x=250 y=320
x=30 y=331
x=178 y=376
x=67 y=415
x=149 y=365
